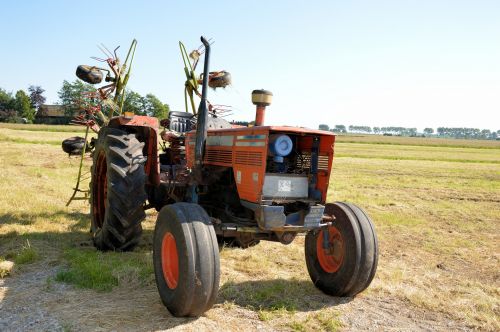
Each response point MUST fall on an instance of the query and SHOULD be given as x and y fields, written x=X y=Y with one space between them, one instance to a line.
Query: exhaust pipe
x=201 y=124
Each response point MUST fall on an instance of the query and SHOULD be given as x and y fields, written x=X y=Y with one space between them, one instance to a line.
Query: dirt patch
x=387 y=313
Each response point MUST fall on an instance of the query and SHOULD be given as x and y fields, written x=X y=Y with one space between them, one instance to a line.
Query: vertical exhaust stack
x=201 y=125
x=261 y=99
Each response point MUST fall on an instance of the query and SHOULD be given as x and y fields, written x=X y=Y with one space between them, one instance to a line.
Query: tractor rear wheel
x=117 y=190
x=186 y=259
x=345 y=264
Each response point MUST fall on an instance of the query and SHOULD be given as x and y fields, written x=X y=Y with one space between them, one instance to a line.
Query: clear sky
x=378 y=63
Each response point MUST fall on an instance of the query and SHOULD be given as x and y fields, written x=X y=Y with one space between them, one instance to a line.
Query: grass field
x=435 y=204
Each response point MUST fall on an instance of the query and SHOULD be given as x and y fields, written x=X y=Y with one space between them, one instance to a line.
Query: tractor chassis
x=222 y=185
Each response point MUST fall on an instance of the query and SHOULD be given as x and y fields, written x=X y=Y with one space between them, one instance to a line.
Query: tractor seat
x=180 y=122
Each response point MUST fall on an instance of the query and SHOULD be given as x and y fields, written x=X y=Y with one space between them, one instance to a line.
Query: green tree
x=7 y=112
x=70 y=95
x=485 y=133
x=410 y=132
x=36 y=96
x=154 y=107
x=339 y=129
x=324 y=127
x=6 y=100
x=429 y=131
x=360 y=129
x=22 y=106
x=134 y=103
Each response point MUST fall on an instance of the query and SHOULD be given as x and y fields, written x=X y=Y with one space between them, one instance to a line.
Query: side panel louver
x=251 y=158
x=219 y=156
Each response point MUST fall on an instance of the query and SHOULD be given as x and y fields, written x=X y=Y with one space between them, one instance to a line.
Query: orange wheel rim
x=169 y=260
x=331 y=258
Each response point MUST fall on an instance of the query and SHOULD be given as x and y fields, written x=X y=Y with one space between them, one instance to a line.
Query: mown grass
x=20 y=140
x=35 y=184
x=5 y=267
x=437 y=222
x=38 y=137
x=438 y=230
x=43 y=127
x=281 y=300
x=271 y=296
x=417 y=153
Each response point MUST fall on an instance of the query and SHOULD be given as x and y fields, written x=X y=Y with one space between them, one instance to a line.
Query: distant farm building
x=52 y=114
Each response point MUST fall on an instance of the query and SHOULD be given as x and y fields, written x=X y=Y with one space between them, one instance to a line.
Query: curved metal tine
x=223 y=106
x=107 y=50
x=114 y=52
x=102 y=50
x=98 y=59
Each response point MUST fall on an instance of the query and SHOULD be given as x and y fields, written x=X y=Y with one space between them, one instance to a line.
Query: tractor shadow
x=78 y=220
x=277 y=294
x=49 y=231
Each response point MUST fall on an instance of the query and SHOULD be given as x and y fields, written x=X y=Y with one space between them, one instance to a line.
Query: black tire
x=356 y=252
x=371 y=260
x=74 y=145
x=219 y=80
x=195 y=288
x=117 y=190
x=89 y=74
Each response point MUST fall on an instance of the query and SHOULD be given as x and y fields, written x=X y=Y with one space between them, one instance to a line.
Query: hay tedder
x=215 y=183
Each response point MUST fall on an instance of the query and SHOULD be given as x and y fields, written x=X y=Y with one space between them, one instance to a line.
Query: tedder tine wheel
x=342 y=259
x=186 y=259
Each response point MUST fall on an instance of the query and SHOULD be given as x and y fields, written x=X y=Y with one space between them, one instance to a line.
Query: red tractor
x=214 y=183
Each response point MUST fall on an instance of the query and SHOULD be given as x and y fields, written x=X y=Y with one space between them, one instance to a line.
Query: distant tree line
x=23 y=106
x=71 y=92
x=468 y=133
x=473 y=133
x=20 y=107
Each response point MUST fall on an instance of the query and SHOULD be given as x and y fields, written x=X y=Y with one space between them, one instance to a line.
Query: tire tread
x=121 y=229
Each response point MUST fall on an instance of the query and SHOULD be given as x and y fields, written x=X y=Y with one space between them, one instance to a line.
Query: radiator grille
x=304 y=162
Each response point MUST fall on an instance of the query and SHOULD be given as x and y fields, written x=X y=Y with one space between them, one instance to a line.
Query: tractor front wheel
x=117 y=190
x=186 y=259
x=342 y=259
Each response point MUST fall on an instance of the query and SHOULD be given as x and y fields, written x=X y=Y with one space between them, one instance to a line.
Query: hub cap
x=169 y=260
x=332 y=257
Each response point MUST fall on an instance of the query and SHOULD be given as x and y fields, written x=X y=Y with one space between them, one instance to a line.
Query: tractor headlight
x=280 y=146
